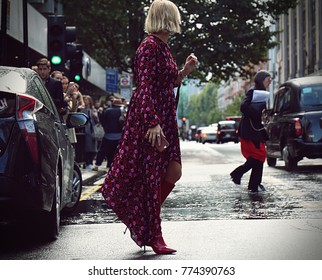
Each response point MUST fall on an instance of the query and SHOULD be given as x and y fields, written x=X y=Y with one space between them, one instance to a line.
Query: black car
x=38 y=174
x=295 y=122
x=227 y=131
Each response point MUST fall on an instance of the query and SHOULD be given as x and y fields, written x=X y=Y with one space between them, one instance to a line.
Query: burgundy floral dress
x=131 y=185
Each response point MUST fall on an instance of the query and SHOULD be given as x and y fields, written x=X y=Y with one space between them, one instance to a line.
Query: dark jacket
x=110 y=120
x=251 y=127
x=55 y=90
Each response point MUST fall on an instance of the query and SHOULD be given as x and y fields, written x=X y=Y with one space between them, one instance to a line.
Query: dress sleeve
x=148 y=91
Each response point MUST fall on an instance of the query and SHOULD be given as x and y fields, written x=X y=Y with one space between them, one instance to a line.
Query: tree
x=233 y=109
x=203 y=107
x=226 y=35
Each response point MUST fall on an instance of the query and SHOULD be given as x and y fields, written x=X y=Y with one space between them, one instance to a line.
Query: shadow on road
x=20 y=238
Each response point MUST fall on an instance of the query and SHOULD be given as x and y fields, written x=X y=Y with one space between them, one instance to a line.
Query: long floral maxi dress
x=131 y=185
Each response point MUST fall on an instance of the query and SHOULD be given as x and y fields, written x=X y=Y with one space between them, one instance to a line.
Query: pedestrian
x=112 y=124
x=65 y=83
x=74 y=98
x=90 y=147
x=53 y=86
x=141 y=177
x=57 y=75
x=74 y=101
x=253 y=135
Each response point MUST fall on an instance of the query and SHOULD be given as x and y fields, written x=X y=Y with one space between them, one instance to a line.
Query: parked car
x=295 y=122
x=208 y=134
x=227 y=131
x=38 y=174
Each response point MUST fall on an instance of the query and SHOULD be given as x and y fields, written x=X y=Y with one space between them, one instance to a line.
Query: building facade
x=23 y=40
x=299 y=53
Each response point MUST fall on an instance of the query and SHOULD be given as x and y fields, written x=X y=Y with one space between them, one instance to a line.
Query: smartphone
x=164 y=144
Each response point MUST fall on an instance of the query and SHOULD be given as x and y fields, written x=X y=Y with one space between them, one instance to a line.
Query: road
x=205 y=191
x=224 y=221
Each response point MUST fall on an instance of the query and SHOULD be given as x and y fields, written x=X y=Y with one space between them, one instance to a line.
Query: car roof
x=209 y=128
x=15 y=79
x=227 y=122
x=304 y=81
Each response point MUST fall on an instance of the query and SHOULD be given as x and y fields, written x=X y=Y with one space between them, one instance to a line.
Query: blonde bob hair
x=163 y=15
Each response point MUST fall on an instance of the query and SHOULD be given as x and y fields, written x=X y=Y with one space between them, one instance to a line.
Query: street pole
x=3 y=46
x=25 y=34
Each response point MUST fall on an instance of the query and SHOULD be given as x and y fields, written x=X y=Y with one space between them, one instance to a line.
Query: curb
x=89 y=177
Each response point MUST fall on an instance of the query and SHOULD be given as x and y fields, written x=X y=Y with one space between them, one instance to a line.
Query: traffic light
x=56 y=42
x=75 y=57
x=74 y=54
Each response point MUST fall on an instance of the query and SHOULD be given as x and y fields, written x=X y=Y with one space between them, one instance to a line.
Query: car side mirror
x=76 y=120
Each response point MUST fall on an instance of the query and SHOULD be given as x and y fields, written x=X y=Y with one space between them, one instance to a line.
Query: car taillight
x=298 y=128
x=218 y=132
x=27 y=107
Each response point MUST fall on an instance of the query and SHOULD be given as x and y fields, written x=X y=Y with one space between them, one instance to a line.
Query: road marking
x=88 y=192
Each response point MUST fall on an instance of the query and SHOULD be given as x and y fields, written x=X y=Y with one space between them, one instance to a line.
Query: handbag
x=98 y=131
x=164 y=144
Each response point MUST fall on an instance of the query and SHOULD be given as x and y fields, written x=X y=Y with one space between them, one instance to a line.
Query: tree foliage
x=233 y=109
x=203 y=108
x=226 y=35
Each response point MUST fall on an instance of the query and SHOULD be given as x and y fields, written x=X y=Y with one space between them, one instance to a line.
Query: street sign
x=125 y=80
x=111 y=80
x=126 y=92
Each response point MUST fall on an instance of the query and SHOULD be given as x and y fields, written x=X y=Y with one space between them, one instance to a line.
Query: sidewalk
x=90 y=176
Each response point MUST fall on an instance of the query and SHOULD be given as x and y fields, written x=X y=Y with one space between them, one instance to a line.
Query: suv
x=295 y=122
x=227 y=131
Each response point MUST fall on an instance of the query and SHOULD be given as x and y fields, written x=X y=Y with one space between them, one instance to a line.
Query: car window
x=311 y=96
x=43 y=95
x=7 y=104
x=227 y=126
x=283 y=100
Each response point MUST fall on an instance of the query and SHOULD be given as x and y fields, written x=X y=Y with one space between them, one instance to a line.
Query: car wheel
x=77 y=185
x=271 y=161
x=290 y=163
x=52 y=219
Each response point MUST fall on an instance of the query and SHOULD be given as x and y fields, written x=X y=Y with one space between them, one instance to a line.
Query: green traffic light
x=77 y=78
x=56 y=59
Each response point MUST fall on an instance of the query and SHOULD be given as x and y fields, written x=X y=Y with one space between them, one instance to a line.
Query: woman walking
x=90 y=147
x=253 y=135
x=141 y=177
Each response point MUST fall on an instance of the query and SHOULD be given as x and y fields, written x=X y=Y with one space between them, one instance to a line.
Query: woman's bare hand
x=154 y=134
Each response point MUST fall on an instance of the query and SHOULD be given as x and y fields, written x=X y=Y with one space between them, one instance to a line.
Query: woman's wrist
x=183 y=73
